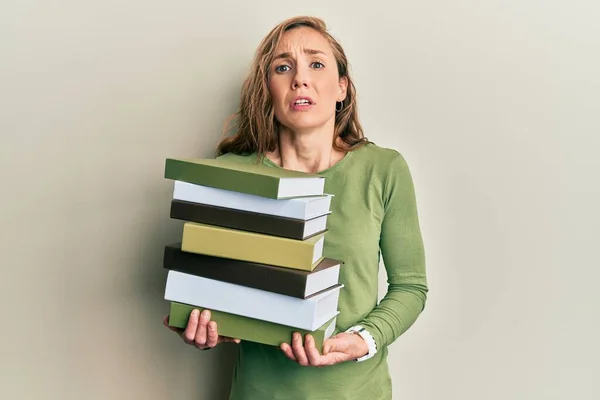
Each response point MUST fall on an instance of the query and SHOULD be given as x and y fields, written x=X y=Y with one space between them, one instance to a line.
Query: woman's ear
x=343 y=84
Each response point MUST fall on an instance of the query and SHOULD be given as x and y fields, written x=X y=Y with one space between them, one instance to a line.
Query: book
x=309 y=313
x=251 y=178
x=303 y=208
x=254 y=247
x=250 y=329
x=248 y=221
x=286 y=281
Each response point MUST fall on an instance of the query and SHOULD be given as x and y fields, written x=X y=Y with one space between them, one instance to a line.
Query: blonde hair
x=257 y=127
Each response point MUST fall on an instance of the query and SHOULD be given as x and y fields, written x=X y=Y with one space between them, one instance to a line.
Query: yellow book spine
x=253 y=247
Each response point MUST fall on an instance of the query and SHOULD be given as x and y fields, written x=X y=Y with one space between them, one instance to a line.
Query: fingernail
x=205 y=314
x=195 y=313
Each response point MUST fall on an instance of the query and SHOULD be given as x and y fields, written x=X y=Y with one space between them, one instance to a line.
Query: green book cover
x=254 y=247
x=250 y=178
x=250 y=329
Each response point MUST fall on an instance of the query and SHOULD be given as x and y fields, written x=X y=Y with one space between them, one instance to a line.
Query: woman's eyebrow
x=307 y=51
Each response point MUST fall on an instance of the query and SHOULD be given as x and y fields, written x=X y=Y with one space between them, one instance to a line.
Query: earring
x=339 y=106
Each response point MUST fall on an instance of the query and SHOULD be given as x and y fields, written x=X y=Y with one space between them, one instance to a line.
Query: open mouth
x=301 y=103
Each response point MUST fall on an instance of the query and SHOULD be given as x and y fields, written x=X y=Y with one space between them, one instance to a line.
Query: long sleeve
x=403 y=255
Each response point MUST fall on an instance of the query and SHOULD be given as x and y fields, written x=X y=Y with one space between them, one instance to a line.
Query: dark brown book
x=287 y=281
x=248 y=221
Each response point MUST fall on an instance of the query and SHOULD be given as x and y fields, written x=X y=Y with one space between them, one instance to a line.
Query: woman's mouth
x=301 y=103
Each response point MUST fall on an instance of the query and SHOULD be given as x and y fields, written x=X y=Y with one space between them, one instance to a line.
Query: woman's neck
x=310 y=153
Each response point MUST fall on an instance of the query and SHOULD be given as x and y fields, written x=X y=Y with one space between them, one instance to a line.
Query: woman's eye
x=282 y=68
x=317 y=65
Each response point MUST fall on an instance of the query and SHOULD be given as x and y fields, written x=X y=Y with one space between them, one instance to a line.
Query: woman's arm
x=404 y=258
x=403 y=255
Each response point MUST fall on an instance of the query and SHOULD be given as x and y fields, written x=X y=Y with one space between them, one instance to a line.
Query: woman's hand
x=337 y=349
x=200 y=332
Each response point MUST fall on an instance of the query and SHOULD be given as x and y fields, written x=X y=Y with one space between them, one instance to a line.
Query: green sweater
x=374 y=214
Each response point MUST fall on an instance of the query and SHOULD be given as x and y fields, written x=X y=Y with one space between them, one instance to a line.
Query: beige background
x=493 y=103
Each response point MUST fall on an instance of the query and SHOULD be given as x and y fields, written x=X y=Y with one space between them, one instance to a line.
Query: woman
x=298 y=111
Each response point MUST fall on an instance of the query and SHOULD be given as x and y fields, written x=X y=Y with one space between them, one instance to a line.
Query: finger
x=298 y=349
x=201 y=332
x=314 y=358
x=287 y=350
x=226 y=339
x=213 y=337
x=190 y=331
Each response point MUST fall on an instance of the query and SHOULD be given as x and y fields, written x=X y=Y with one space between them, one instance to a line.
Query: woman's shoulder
x=379 y=157
x=374 y=150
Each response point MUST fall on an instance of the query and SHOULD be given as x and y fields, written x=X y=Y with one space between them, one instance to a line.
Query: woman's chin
x=305 y=123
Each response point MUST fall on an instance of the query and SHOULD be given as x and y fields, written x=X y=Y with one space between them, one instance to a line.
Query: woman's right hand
x=200 y=332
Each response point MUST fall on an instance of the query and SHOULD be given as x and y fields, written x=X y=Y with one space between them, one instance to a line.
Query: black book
x=248 y=221
x=287 y=281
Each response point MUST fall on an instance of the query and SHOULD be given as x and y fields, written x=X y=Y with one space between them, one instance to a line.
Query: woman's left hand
x=337 y=349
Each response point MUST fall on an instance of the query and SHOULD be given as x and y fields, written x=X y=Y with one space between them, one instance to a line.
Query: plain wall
x=494 y=104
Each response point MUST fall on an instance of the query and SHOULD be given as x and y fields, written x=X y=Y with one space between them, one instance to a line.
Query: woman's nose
x=300 y=80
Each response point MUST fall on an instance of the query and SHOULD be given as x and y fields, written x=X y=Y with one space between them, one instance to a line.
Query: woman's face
x=304 y=81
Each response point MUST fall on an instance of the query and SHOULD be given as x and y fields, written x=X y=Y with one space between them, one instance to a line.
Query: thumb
x=330 y=345
x=340 y=343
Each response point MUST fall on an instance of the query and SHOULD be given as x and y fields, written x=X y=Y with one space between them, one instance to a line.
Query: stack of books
x=251 y=251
